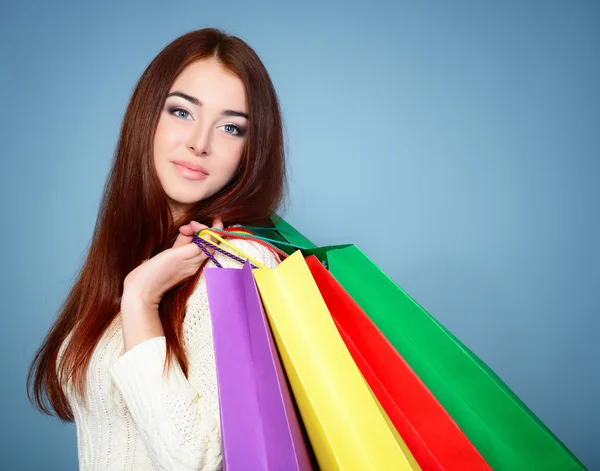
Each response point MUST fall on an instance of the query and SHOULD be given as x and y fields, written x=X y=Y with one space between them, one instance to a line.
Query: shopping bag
x=260 y=429
x=434 y=439
x=345 y=426
x=503 y=429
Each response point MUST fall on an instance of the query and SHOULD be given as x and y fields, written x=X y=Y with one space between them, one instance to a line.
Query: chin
x=182 y=197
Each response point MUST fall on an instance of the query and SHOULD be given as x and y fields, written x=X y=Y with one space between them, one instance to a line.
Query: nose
x=199 y=140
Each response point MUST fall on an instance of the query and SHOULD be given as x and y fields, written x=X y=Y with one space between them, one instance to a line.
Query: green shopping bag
x=506 y=433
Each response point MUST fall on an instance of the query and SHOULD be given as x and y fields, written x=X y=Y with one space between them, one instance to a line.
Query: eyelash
x=240 y=131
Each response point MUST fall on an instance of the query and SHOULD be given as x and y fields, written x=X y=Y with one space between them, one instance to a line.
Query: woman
x=201 y=144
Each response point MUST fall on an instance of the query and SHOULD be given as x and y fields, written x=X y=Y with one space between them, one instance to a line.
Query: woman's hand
x=154 y=277
x=145 y=286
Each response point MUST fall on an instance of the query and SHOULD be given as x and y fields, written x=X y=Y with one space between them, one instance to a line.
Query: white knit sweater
x=136 y=420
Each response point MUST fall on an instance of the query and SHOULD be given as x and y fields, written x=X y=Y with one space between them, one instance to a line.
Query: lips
x=190 y=170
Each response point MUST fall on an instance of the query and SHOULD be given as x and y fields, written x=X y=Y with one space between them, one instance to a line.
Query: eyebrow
x=197 y=102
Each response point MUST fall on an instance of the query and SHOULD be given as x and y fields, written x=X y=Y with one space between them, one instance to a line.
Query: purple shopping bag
x=259 y=425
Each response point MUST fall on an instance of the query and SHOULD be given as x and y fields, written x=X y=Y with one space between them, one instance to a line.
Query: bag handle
x=240 y=233
x=266 y=239
x=233 y=251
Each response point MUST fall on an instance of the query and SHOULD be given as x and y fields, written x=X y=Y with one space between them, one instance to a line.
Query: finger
x=186 y=230
x=187 y=251
x=218 y=223
x=197 y=227
x=182 y=240
x=198 y=259
x=202 y=256
x=210 y=242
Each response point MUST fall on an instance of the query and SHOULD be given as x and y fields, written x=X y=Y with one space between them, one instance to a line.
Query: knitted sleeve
x=178 y=417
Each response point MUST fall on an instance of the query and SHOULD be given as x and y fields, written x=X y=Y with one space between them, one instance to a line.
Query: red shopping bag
x=435 y=440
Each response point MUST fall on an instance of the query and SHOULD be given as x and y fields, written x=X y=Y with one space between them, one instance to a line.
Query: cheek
x=165 y=139
x=230 y=164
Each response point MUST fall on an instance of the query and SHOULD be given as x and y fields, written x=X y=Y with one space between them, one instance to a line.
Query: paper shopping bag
x=435 y=440
x=504 y=430
x=346 y=428
x=260 y=429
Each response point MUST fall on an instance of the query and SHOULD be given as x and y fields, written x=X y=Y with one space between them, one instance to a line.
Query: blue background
x=457 y=143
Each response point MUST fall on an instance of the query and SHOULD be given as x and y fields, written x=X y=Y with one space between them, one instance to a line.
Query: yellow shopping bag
x=346 y=426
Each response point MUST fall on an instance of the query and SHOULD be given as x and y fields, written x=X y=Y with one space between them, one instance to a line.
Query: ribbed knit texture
x=135 y=419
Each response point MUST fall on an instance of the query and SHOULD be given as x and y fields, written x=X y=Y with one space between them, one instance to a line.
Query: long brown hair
x=134 y=220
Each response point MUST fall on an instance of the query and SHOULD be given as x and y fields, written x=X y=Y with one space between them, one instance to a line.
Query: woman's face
x=201 y=133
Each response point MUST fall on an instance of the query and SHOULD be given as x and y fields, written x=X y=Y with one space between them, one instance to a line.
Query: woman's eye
x=179 y=112
x=232 y=129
